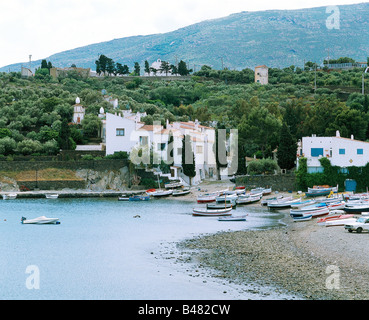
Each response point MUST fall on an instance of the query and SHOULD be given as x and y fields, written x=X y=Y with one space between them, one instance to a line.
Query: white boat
x=315 y=212
x=177 y=193
x=264 y=202
x=212 y=213
x=247 y=200
x=52 y=196
x=223 y=198
x=173 y=185
x=233 y=218
x=302 y=217
x=338 y=218
x=302 y=204
x=161 y=193
x=9 y=196
x=282 y=203
x=339 y=222
x=40 y=220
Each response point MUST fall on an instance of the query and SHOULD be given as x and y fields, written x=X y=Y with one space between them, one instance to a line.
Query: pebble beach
x=302 y=258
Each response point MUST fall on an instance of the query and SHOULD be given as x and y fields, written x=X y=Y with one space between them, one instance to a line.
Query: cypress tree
x=287 y=149
x=188 y=158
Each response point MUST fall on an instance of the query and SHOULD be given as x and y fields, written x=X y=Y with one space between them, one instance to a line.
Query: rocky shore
x=303 y=259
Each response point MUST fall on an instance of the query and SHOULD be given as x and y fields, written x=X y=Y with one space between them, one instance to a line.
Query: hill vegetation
x=35 y=112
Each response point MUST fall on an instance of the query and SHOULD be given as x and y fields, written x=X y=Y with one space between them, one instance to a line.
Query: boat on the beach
x=233 y=218
x=40 y=220
x=52 y=196
x=9 y=196
x=317 y=191
x=213 y=206
x=338 y=218
x=356 y=208
x=302 y=217
x=139 y=198
x=302 y=203
x=175 y=184
x=207 y=197
x=224 y=198
x=340 y=222
x=183 y=192
x=264 y=202
x=282 y=203
x=212 y=213
x=247 y=200
x=314 y=212
x=161 y=193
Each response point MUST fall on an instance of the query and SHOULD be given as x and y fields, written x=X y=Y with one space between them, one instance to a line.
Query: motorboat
x=338 y=218
x=161 y=193
x=302 y=203
x=51 y=196
x=264 y=202
x=247 y=200
x=282 y=203
x=40 y=220
x=211 y=212
x=356 y=208
x=9 y=196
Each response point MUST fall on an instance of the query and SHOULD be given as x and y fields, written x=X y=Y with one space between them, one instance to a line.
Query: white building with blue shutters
x=342 y=152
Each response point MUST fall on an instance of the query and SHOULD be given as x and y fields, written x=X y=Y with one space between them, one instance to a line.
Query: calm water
x=100 y=251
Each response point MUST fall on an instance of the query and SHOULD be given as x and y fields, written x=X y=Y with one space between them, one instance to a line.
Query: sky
x=44 y=27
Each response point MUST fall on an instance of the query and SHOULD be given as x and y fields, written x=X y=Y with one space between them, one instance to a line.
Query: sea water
x=108 y=249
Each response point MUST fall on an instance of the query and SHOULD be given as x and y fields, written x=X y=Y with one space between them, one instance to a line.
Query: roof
x=263 y=66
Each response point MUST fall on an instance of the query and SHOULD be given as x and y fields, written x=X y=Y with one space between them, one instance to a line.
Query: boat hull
x=212 y=213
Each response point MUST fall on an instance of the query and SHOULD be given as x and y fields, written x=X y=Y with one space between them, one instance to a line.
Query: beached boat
x=340 y=222
x=183 y=192
x=282 y=203
x=213 y=206
x=247 y=200
x=207 y=198
x=302 y=203
x=263 y=191
x=161 y=193
x=139 y=198
x=40 y=220
x=264 y=202
x=302 y=217
x=318 y=191
x=323 y=221
x=233 y=218
x=9 y=196
x=226 y=197
x=175 y=184
x=212 y=213
x=315 y=212
x=356 y=208
x=51 y=196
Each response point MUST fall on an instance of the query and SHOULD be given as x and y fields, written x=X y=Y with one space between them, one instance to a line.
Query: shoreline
x=304 y=259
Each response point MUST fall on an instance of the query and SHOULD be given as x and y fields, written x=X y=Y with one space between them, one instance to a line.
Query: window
x=360 y=151
x=161 y=146
x=342 y=151
x=198 y=149
x=144 y=141
x=120 y=132
x=316 y=152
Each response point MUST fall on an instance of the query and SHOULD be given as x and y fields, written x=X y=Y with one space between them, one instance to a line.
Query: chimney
x=338 y=134
x=352 y=137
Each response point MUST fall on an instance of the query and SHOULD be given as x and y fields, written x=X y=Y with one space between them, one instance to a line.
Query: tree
x=165 y=67
x=287 y=149
x=188 y=158
x=170 y=157
x=137 y=69
x=147 y=67
x=182 y=68
x=220 y=149
x=91 y=125
x=64 y=140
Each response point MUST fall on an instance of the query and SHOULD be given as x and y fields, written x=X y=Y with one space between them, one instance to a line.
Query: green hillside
x=242 y=40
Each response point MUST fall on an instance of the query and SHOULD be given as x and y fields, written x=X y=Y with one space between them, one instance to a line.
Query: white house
x=78 y=111
x=127 y=133
x=342 y=152
x=157 y=66
x=262 y=74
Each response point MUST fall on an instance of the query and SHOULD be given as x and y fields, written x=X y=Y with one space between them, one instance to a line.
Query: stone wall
x=282 y=182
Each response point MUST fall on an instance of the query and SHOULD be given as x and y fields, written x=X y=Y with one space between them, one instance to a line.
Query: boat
x=123 y=198
x=264 y=202
x=282 y=203
x=9 y=196
x=224 y=198
x=161 y=193
x=317 y=191
x=212 y=213
x=40 y=220
x=356 y=208
x=302 y=203
x=322 y=221
x=178 y=193
x=51 y=196
x=233 y=218
x=247 y=200
x=206 y=198
x=315 y=212
x=213 y=206
x=261 y=190
x=302 y=217
x=340 y=222
x=171 y=185
x=139 y=198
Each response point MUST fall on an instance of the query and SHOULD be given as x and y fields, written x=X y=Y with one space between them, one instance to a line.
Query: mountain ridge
x=277 y=38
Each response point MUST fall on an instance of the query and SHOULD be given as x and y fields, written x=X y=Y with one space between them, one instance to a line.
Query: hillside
x=243 y=40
